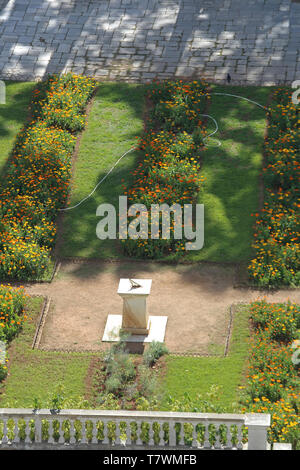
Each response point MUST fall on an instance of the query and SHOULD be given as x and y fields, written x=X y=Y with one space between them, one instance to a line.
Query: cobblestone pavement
x=256 y=41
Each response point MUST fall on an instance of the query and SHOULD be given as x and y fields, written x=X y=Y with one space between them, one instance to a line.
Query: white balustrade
x=42 y=429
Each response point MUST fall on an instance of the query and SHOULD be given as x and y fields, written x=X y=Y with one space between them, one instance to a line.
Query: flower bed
x=12 y=316
x=37 y=180
x=273 y=385
x=169 y=171
x=276 y=230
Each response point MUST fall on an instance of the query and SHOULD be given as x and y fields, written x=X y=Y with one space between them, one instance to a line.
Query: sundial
x=134 y=284
x=135 y=320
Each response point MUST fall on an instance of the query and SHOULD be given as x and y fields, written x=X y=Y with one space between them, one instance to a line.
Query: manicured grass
x=196 y=375
x=13 y=115
x=113 y=125
x=231 y=191
x=37 y=374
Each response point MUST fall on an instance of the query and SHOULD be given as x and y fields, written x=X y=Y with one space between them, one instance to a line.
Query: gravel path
x=196 y=300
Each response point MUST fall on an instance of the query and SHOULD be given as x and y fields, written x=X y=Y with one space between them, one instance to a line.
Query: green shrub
x=154 y=352
x=147 y=382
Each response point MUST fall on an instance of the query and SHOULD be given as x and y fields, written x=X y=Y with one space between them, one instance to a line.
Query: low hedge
x=38 y=175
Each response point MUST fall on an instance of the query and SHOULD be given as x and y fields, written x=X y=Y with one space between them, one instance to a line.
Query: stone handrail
x=26 y=428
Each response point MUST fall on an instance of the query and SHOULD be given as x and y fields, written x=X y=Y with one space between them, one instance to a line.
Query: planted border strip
x=38 y=176
x=273 y=380
x=169 y=172
x=277 y=228
x=12 y=317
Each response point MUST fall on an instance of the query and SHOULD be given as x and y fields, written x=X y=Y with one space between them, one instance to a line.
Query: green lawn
x=197 y=375
x=116 y=119
x=13 y=115
x=38 y=374
x=231 y=191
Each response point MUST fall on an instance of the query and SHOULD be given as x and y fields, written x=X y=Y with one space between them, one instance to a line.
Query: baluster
x=72 y=431
x=129 y=439
x=229 y=444
x=138 y=433
x=16 y=430
x=61 y=438
x=118 y=432
x=27 y=431
x=5 y=431
x=37 y=429
x=195 y=441
x=105 y=432
x=217 y=444
x=172 y=433
x=161 y=434
x=50 y=431
x=239 y=437
x=151 y=434
x=94 y=431
x=206 y=444
x=83 y=431
x=181 y=435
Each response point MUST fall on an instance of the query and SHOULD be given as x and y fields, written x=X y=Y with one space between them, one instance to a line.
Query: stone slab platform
x=157 y=329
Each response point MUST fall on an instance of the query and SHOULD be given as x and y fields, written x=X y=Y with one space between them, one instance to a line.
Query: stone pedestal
x=135 y=319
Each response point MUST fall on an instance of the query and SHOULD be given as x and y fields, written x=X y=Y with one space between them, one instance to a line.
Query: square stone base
x=156 y=326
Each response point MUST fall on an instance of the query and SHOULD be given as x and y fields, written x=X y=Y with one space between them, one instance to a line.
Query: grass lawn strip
x=13 y=115
x=232 y=174
x=36 y=375
x=212 y=379
x=115 y=121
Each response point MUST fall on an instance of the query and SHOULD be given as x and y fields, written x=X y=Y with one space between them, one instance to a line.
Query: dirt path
x=196 y=300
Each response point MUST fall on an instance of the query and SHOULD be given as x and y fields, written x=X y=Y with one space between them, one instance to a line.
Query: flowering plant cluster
x=37 y=179
x=12 y=316
x=276 y=230
x=169 y=170
x=273 y=381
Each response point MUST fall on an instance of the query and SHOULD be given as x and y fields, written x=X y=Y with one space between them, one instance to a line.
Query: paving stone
x=258 y=39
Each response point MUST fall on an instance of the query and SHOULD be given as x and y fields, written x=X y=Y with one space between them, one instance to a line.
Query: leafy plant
x=154 y=351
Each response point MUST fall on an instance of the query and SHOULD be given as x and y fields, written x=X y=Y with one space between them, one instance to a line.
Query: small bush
x=154 y=352
x=147 y=382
